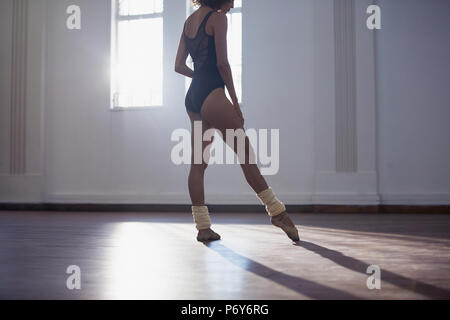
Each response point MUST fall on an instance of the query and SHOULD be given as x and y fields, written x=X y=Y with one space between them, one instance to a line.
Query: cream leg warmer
x=201 y=217
x=273 y=206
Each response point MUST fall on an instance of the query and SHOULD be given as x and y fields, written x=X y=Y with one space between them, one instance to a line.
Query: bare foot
x=207 y=235
x=284 y=222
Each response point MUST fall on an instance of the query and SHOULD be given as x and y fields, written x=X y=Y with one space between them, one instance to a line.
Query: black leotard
x=206 y=78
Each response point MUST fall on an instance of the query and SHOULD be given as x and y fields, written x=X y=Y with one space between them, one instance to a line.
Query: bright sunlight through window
x=234 y=39
x=137 y=53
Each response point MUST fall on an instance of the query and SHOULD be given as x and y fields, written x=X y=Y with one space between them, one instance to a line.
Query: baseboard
x=412 y=199
x=171 y=198
x=217 y=208
x=248 y=198
x=22 y=188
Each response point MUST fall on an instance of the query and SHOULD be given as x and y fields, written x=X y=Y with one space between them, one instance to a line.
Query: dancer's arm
x=180 y=62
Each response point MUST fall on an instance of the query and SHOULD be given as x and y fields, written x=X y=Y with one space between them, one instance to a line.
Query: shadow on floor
x=302 y=286
x=353 y=264
x=408 y=225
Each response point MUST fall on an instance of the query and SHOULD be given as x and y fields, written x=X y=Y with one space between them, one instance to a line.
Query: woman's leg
x=197 y=171
x=221 y=114
x=196 y=183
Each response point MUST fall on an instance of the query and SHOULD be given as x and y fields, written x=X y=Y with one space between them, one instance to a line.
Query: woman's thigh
x=196 y=117
x=219 y=111
x=222 y=115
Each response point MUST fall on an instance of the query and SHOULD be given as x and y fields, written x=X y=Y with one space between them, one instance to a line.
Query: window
x=234 y=39
x=137 y=53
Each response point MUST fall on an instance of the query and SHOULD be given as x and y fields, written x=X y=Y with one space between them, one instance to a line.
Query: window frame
x=116 y=18
x=239 y=10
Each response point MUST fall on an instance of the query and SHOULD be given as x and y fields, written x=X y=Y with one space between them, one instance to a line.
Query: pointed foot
x=207 y=235
x=284 y=222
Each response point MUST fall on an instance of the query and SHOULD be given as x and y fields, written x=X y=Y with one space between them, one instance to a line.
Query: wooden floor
x=156 y=256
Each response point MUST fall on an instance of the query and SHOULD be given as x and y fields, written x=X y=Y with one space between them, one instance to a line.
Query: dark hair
x=214 y=4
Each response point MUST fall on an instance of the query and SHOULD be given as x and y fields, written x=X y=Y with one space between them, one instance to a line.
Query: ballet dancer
x=204 y=38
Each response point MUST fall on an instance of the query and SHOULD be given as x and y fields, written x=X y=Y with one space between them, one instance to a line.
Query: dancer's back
x=207 y=78
x=201 y=47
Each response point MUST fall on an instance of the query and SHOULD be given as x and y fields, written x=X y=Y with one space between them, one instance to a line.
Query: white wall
x=5 y=81
x=414 y=101
x=29 y=186
x=94 y=155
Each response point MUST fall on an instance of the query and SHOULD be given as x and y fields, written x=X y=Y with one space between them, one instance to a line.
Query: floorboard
x=155 y=256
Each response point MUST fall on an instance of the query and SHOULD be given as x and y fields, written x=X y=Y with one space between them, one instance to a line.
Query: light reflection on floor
x=148 y=262
x=146 y=266
x=141 y=263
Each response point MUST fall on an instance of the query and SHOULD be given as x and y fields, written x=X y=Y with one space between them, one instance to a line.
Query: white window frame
x=116 y=18
x=238 y=10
